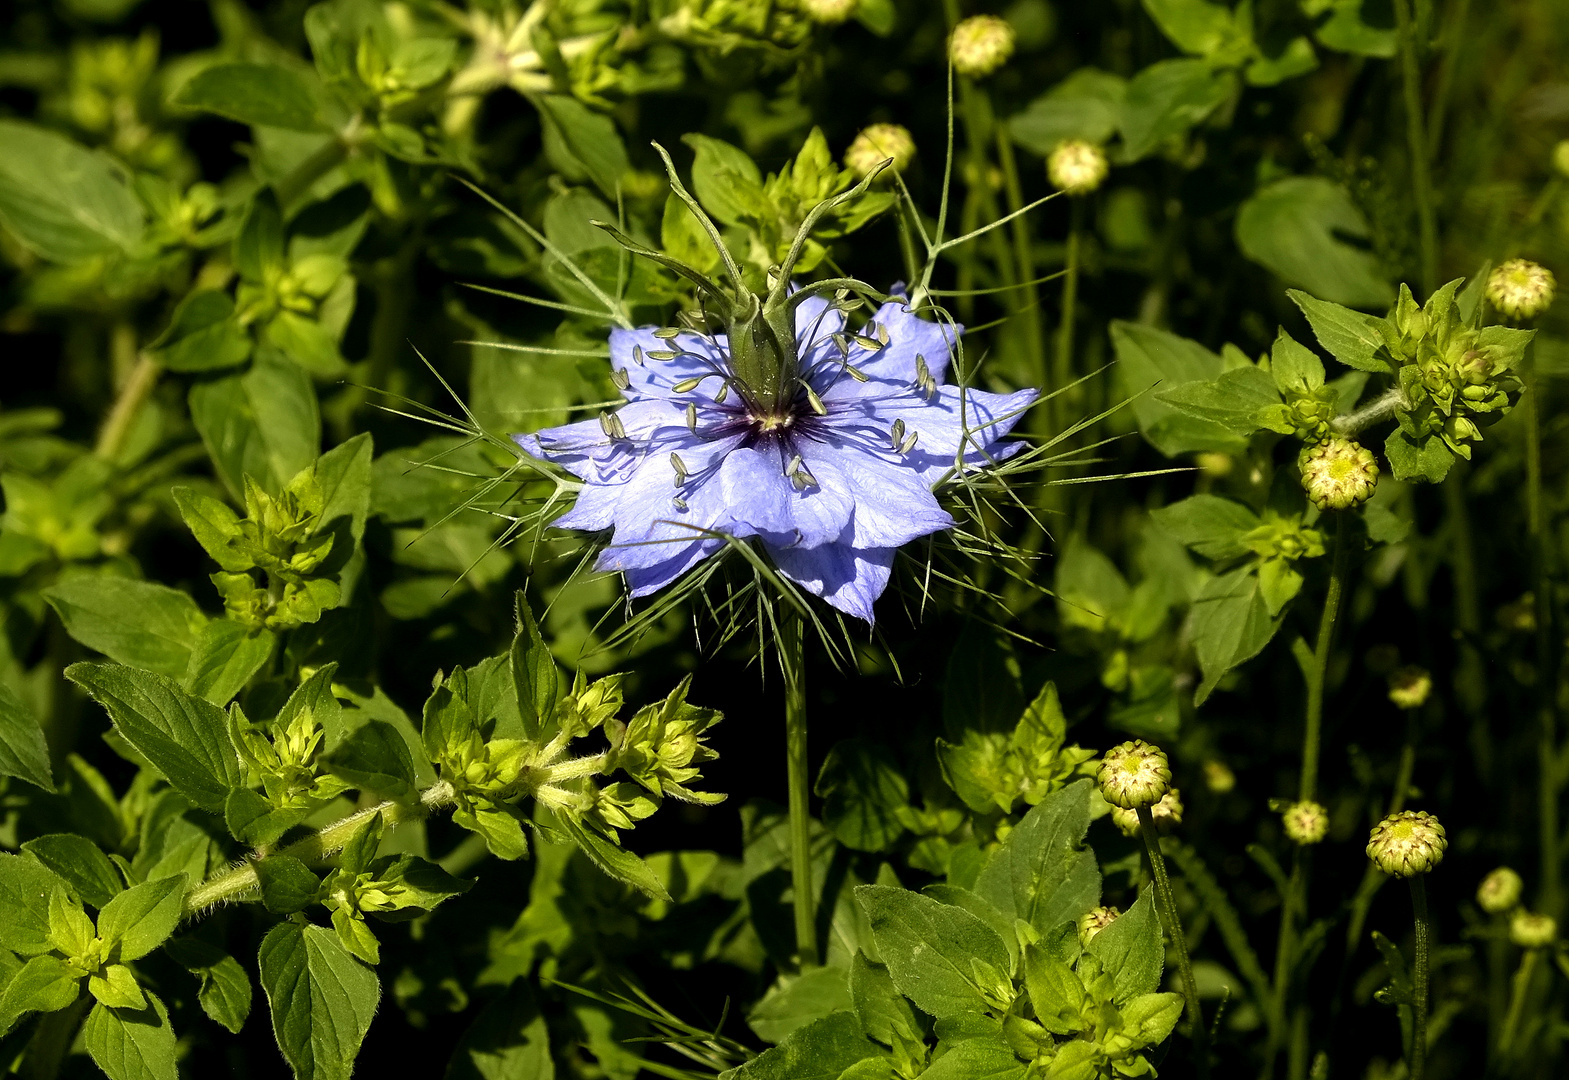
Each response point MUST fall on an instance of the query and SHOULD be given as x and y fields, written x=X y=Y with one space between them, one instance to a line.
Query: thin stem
x=1028 y=297
x=1546 y=675
x=232 y=884
x=1312 y=730
x=1446 y=76
x=1380 y=408
x=122 y=414
x=1062 y=370
x=1168 y=917
x=327 y=157
x=1416 y=147
x=1285 y=950
x=1517 y=995
x=792 y=661
x=1424 y=931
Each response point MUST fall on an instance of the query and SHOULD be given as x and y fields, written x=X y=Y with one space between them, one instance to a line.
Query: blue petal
x=908 y=337
x=763 y=501
x=643 y=580
x=893 y=504
x=987 y=417
x=697 y=356
x=849 y=579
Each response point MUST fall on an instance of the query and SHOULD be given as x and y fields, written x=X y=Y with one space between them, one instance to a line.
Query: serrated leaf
x=322 y=999
x=203 y=335
x=1212 y=526
x=1148 y=358
x=1042 y=873
x=375 y=757
x=138 y=623
x=534 y=672
x=821 y=1050
x=132 y=1044
x=1231 y=624
x=25 y=887
x=1429 y=459
x=931 y=948
x=1135 y=954
x=141 y=918
x=23 y=752
x=863 y=794
x=978 y=1059
x=226 y=656
x=62 y=200
x=1351 y=337
x=616 y=861
x=507 y=1041
x=88 y=874
x=287 y=884
x=1296 y=227
x=268 y=95
x=264 y=422
x=44 y=984
x=225 y=992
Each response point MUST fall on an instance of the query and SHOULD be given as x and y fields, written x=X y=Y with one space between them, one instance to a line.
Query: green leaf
x=821 y=1050
x=65 y=202
x=1347 y=31
x=226 y=657
x=1195 y=26
x=931 y=949
x=186 y=737
x=44 y=984
x=1148 y=358
x=1150 y=1018
x=88 y=874
x=417 y=886
x=726 y=181
x=225 y=992
x=307 y=342
x=267 y=95
x=322 y=999
x=1234 y=401
x=1231 y=624
x=260 y=253
x=1086 y=105
x=25 y=888
x=1295 y=368
x=1167 y=99
x=863 y=793
x=264 y=422
x=583 y=144
x=1429 y=460
x=251 y=819
x=1131 y=950
x=1212 y=526
x=375 y=758
x=1056 y=992
x=141 y=918
x=1042 y=873
x=1295 y=227
x=507 y=1041
x=797 y=1000
x=884 y=1013
x=616 y=861
x=23 y=752
x=534 y=673
x=287 y=884
x=1295 y=58
x=344 y=473
x=132 y=1044
x=1351 y=337
x=878 y=16
x=978 y=1059
x=115 y=985
x=138 y=623
x=203 y=335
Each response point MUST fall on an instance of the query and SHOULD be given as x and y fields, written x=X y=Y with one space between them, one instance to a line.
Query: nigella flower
x=831 y=467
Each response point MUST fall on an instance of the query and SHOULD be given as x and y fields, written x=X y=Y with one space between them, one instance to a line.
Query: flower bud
x=1338 y=473
x=1521 y=289
x=1499 y=891
x=1306 y=822
x=876 y=144
x=1167 y=815
x=1094 y=921
x=1410 y=687
x=980 y=45
x=828 y=12
x=1406 y=844
x=1133 y=775
x=1076 y=167
x=1532 y=931
x=1561 y=158
x=1218 y=776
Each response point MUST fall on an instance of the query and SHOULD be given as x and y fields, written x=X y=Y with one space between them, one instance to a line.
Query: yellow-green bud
x=1214 y=463
x=1167 y=815
x=1218 y=776
x=828 y=12
x=1406 y=844
x=980 y=45
x=1076 y=167
x=1499 y=891
x=1561 y=157
x=1410 y=687
x=1521 y=289
x=1306 y=822
x=1338 y=473
x=1532 y=931
x=877 y=144
x=1134 y=774
x=1094 y=921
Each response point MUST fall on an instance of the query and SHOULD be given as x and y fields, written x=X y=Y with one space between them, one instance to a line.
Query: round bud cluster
x=1076 y=167
x=980 y=45
x=1410 y=687
x=1218 y=776
x=1521 y=289
x=1338 y=473
x=1406 y=844
x=1499 y=891
x=1134 y=775
x=1561 y=157
x=829 y=12
x=1094 y=921
x=1532 y=931
x=1167 y=815
x=879 y=143
x=1306 y=822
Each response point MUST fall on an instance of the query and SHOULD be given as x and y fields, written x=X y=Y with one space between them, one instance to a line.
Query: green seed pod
x=1406 y=844
x=1134 y=775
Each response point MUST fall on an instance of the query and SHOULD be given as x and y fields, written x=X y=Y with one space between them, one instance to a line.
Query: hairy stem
x=235 y=883
x=1168 y=916
x=1546 y=672
x=1517 y=996
x=1380 y=408
x=1418 y=1056
x=327 y=157
x=792 y=661
x=1313 y=721
x=138 y=386
x=1416 y=147
x=1062 y=368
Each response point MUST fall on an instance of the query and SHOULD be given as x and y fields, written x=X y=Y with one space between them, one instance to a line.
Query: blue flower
x=832 y=479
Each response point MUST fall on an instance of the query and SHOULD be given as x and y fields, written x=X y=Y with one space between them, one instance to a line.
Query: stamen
x=801 y=478
x=667 y=333
x=612 y=426
x=637 y=355
x=909 y=444
x=856 y=373
x=882 y=334
x=663 y=354
x=687 y=385
x=724 y=392
x=814 y=401
x=680 y=468
x=620 y=377
x=870 y=344
x=896 y=433
x=795 y=463
x=680 y=503
x=691 y=417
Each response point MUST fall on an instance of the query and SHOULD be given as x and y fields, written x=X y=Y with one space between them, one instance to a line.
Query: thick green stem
x=329 y=156
x=1167 y=904
x=232 y=884
x=1517 y=996
x=1062 y=368
x=1285 y=951
x=1419 y=970
x=1546 y=669
x=792 y=661
x=1027 y=298
x=138 y=386
x=1313 y=723
x=1416 y=147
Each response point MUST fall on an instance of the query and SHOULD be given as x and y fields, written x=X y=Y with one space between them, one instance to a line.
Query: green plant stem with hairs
x=792 y=662
x=1168 y=916
x=1517 y=995
x=1416 y=147
x=1546 y=668
x=1419 y=975
x=1027 y=299
x=1062 y=368
x=134 y=392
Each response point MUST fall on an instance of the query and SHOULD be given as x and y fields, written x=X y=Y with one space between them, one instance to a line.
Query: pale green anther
x=666 y=333
x=856 y=373
x=663 y=354
x=909 y=444
x=896 y=433
x=724 y=392
x=816 y=402
x=680 y=468
x=923 y=374
x=637 y=355
x=882 y=334
x=870 y=344
x=691 y=417
x=680 y=503
x=612 y=426
x=619 y=376
x=795 y=463
x=686 y=386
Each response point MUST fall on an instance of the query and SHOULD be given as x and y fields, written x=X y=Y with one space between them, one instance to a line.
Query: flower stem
x=232 y=884
x=1168 y=917
x=792 y=661
x=1517 y=996
x=1027 y=298
x=133 y=394
x=327 y=157
x=1418 y=1055
x=1062 y=369
x=1416 y=147
x=1546 y=673
x=1313 y=721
